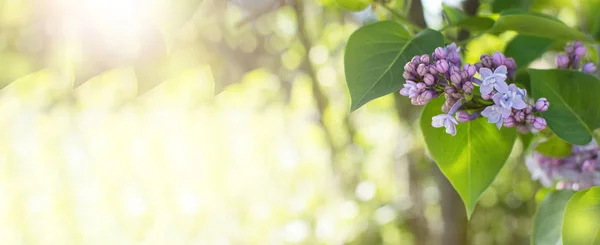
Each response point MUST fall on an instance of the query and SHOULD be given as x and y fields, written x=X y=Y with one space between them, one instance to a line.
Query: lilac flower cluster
x=572 y=60
x=428 y=77
x=578 y=171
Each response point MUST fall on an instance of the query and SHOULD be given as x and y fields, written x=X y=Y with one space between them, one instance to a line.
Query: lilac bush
x=580 y=170
x=498 y=99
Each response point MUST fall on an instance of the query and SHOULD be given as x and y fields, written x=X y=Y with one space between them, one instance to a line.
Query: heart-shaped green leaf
x=471 y=159
x=581 y=224
x=549 y=218
x=574 y=110
x=376 y=55
x=537 y=25
x=555 y=147
x=525 y=49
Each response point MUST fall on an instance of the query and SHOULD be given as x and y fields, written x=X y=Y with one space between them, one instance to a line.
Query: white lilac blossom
x=428 y=77
x=495 y=79
x=580 y=170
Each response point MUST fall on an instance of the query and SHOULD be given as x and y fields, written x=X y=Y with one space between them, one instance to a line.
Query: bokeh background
x=226 y=122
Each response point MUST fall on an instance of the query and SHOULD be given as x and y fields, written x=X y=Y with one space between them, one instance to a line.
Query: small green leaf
x=574 y=110
x=581 y=224
x=376 y=55
x=525 y=49
x=555 y=147
x=549 y=218
x=537 y=25
x=471 y=159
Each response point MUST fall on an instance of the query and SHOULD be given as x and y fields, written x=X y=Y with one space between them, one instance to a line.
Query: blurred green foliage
x=223 y=122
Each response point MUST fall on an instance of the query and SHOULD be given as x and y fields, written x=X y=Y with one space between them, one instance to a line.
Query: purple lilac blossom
x=496 y=114
x=495 y=79
x=511 y=99
x=580 y=170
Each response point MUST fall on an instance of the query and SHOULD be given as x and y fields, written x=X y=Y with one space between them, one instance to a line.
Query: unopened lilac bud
x=509 y=122
x=468 y=87
x=429 y=79
x=569 y=49
x=478 y=65
x=588 y=166
x=408 y=76
x=498 y=58
x=440 y=53
x=519 y=116
x=470 y=69
x=542 y=104
x=539 y=123
x=464 y=75
x=409 y=67
x=510 y=63
x=580 y=51
x=449 y=90
x=432 y=69
x=577 y=44
x=528 y=109
x=522 y=128
x=425 y=97
x=455 y=78
x=529 y=118
x=421 y=86
x=486 y=60
x=562 y=61
x=463 y=116
x=422 y=70
x=454 y=69
x=416 y=60
x=457 y=96
x=442 y=66
x=589 y=68
x=425 y=59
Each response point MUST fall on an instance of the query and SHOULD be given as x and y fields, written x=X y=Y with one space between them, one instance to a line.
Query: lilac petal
x=404 y=92
x=505 y=112
x=501 y=86
x=450 y=128
x=438 y=121
x=497 y=98
x=486 y=89
x=501 y=70
x=499 y=123
x=518 y=103
x=485 y=72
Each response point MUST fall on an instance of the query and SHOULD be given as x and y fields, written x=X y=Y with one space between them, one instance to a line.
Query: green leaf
x=376 y=55
x=537 y=25
x=471 y=159
x=501 y=5
x=581 y=223
x=574 y=110
x=525 y=49
x=549 y=217
x=474 y=23
x=555 y=147
x=526 y=140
